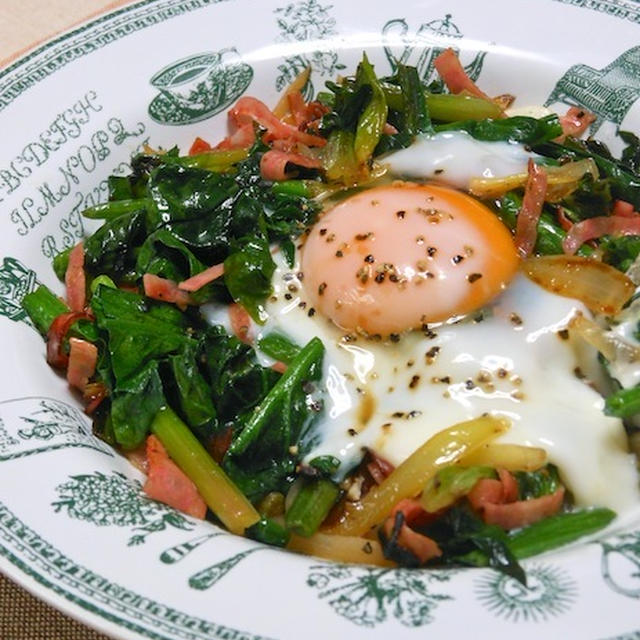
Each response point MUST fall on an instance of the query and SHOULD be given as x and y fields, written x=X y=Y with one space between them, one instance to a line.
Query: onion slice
x=599 y=286
x=561 y=181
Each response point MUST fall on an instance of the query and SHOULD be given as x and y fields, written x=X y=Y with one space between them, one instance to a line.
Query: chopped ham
x=240 y=323
x=298 y=108
x=278 y=366
x=273 y=164
x=243 y=137
x=563 y=221
x=389 y=129
x=623 y=209
x=592 y=228
x=513 y=515
x=201 y=279
x=249 y=109
x=421 y=546
x=83 y=356
x=61 y=324
x=527 y=223
x=413 y=512
x=454 y=76
x=75 y=279
x=496 y=501
x=166 y=290
x=575 y=122
x=378 y=467
x=94 y=393
x=199 y=146
x=167 y=483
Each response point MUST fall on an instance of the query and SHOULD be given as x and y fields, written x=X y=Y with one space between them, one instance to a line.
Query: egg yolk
x=396 y=257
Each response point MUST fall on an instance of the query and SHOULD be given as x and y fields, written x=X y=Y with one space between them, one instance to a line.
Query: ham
x=421 y=546
x=243 y=137
x=199 y=146
x=513 y=515
x=240 y=323
x=623 y=209
x=75 y=279
x=527 y=223
x=166 y=290
x=83 y=357
x=452 y=72
x=273 y=164
x=249 y=109
x=203 y=278
x=167 y=483
x=496 y=501
x=61 y=324
x=593 y=228
x=575 y=122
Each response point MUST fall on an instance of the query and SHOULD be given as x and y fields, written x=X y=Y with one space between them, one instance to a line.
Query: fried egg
x=409 y=355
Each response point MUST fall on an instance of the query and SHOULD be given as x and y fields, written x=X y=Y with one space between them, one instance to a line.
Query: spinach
x=465 y=539
x=521 y=129
x=631 y=153
x=133 y=409
x=624 y=183
x=238 y=382
x=534 y=484
x=264 y=452
x=111 y=249
x=138 y=332
x=247 y=275
x=192 y=393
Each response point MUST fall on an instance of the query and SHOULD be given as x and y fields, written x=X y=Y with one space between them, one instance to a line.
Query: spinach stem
x=311 y=506
x=218 y=491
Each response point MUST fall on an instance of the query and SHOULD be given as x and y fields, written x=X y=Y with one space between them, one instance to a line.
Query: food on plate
x=392 y=325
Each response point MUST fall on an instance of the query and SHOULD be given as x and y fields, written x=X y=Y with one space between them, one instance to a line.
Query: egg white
x=455 y=157
x=510 y=360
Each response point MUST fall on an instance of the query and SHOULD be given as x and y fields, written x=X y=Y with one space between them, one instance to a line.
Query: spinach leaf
x=139 y=332
x=521 y=129
x=180 y=193
x=534 y=484
x=191 y=393
x=238 y=382
x=247 y=275
x=465 y=539
x=133 y=410
x=110 y=249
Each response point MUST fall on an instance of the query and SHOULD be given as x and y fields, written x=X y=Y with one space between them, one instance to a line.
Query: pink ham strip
x=593 y=228
x=527 y=223
x=452 y=72
x=83 y=356
x=575 y=122
x=248 y=109
x=273 y=164
x=201 y=279
x=167 y=483
x=166 y=290
x=75 y=279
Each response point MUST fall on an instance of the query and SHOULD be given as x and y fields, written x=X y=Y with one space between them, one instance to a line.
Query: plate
x=74 y=526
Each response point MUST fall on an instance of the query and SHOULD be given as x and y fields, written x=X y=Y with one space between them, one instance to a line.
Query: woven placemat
x=23 y=617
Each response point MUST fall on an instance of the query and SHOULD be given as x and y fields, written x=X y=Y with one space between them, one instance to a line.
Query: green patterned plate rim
x=75 y=528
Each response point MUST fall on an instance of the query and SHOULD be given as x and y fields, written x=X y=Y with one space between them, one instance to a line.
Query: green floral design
x=621 y=563
x=368 y=596
x=300 y=21
x=549 y=592
x=52 y=419
x=115 y=500
x=421 y=48
x=16 y=281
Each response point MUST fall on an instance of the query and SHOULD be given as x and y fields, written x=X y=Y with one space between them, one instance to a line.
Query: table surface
x=23 y=24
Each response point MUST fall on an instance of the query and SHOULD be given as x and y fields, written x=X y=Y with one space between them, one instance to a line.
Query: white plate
x=74 y=528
